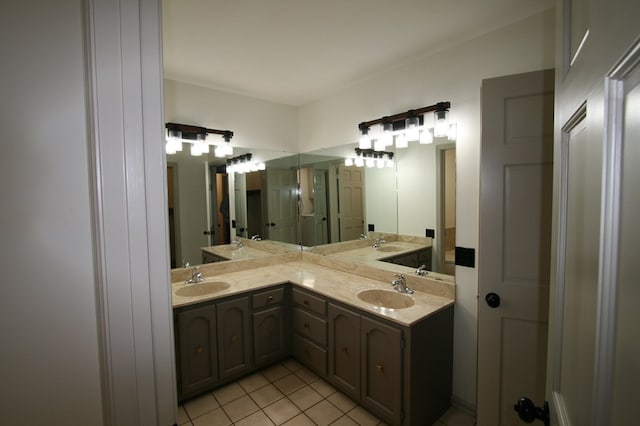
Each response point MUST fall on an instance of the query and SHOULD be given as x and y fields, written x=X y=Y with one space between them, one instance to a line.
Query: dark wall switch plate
x=430 y=233
x=466 y=257
x=233 y=224
x=371 y=227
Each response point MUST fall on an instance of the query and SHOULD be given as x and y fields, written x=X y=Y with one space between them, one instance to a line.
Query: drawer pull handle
x=269 y=299
x=307 y=353
x=306 y=325
x=234 y=338
x=306 y=302
x=345 y=349
x=199 y=349
x=380 y=368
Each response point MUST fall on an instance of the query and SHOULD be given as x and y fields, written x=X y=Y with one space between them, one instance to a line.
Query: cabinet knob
x=269 y=299
x=345 y=349
x=234 y=338
x=306 y=325
x=380 y=368
x=199 y=349
x=307 y=353
x=305 y=302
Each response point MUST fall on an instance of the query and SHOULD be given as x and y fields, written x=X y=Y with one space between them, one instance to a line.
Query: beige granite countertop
x=334 y=278
x=233 y=252
x=386 y=250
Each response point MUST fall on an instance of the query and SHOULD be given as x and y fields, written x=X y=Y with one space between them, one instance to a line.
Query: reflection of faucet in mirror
x=238 y=242
x=378 y=242
x=422 y=270
x=364 y=237
x=256 y=237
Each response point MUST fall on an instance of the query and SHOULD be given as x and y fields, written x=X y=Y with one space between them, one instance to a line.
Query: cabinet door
x=344 y=350
x=197 y=369
x=268 y=335
x=234 y=338
x=381 y=348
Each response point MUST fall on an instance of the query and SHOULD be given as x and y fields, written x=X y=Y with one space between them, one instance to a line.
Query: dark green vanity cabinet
x=235 y=343
x=401 y=374
x=308 y=313
x=221 y=340
x=196 y=349
x=270 y=341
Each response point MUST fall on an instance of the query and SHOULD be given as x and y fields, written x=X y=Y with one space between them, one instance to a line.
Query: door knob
x=493 y=300
x=529 y=413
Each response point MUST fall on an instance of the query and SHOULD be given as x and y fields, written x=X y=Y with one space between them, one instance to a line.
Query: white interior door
x=594 y=339
x=350 y=192
x=515 y=228
x=282 y=201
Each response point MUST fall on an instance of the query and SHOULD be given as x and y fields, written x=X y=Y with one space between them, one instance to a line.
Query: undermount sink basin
x=386 y=299
x=202 y=289
x=388 y=249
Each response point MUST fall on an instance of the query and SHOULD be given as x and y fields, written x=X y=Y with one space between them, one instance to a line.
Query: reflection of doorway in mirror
x=254 y=203
x=172 y=201
x=350 y=202
x=220 y=214
x=446 y=240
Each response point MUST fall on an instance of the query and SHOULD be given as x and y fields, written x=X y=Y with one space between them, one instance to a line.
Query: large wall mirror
x=313 y=199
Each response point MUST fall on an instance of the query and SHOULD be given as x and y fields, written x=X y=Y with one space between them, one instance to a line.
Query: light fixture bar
x=226 y=134
x=404 y=115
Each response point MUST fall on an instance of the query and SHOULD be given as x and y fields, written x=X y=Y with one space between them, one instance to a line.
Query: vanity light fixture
x=408 y=127
x=198 y=137
x=244 y=164
x=370 y=158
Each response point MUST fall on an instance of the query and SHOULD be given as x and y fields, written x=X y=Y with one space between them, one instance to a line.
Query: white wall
x=255 y=123
x=454 y=74
x=49 y=355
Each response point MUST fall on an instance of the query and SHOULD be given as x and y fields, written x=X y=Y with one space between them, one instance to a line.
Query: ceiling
x=297 y=51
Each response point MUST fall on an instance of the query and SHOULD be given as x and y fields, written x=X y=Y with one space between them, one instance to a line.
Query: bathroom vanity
x=390 y=352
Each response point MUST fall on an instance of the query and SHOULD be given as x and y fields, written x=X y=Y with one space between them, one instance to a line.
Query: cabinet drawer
x=309 y=301
x=268 y=298
x=310 y=326
x=310 y=354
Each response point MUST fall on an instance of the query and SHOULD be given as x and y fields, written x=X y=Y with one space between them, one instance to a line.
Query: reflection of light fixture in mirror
x=426 y=136
x=386 y=137
x=177 y=134
x=402 y=141
x=244 y=164
x=440 y=121
x=370 y=158
x=452 y=135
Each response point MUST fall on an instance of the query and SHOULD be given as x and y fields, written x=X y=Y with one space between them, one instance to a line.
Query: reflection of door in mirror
x=172 y=201
x=446 y=240
x=220 y=211
x=282 y=212
x=240 y=190
x=254 y=203
x=350 y=203
x=321 y=215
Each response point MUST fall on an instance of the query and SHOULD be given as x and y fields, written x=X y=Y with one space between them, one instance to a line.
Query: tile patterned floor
x=286 y=394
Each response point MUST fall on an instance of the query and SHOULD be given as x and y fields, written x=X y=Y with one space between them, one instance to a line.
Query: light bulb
x=370 y=162
x=380 y=163
x=359 y=162
x=219 y=151
x=364 y=142
x=348 y=162
x=195 y=150
x=412 y=129
x=441 y=124
x=389 y=163
x=426 y=136
x=401 y=141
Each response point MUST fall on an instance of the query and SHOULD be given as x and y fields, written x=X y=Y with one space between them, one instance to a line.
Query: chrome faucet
x=400 y=284
x=196 y=276
x=363 y=237
x=378 y=242
x=422 y=270
x=238 y=242
x=256 y=237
